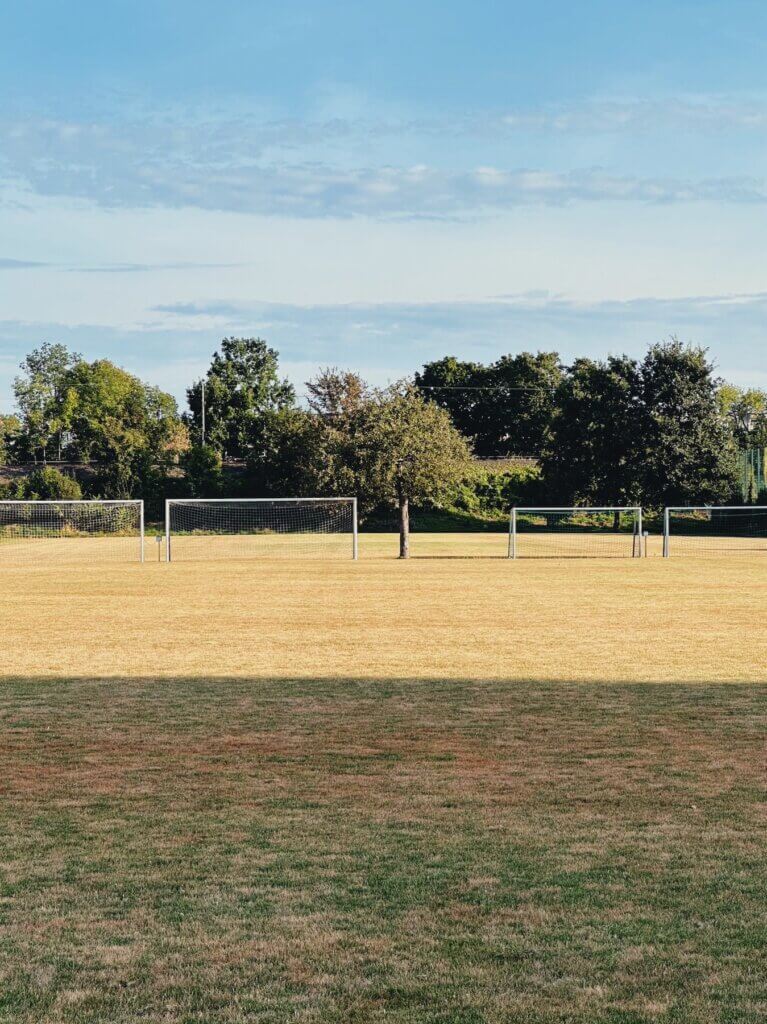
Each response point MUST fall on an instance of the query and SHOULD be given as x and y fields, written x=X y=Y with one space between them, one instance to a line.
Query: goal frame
x=121 y=502
x=699 y=508
x=255 y=501
x=516 y=509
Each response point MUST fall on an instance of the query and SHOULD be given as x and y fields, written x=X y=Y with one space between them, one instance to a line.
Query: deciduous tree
x=407 y=450
x=594 y=451
x=39 y=396
x=506 y=408
x=689 y=454
x=241 y=387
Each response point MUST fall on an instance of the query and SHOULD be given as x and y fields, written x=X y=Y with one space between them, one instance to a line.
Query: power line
x=486 y=387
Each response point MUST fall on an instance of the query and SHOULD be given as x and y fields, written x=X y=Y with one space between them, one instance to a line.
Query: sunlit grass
x=458 y=609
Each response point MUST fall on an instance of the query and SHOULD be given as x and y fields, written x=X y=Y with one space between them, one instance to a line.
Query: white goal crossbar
x=51 y=531
x=582 y=531
x=714 y=530
x=218 y=528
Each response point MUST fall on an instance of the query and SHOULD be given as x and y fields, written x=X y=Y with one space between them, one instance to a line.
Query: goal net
x=212 y=529
x=45 y=532
x=715 y=530
x=604 y=532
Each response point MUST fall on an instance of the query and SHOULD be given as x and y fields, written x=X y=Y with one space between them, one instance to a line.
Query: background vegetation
x=660 y=430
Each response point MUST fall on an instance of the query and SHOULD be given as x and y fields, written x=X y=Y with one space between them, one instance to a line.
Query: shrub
x=490 y=494
x=48 y=484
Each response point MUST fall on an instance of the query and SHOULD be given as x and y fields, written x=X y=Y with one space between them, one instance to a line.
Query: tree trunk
x=404 y=527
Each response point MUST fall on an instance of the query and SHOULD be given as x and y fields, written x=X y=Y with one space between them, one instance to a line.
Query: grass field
x=453 y=791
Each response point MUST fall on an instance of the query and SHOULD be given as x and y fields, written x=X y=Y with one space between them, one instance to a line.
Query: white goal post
x=71 y=531
x=219 y=528
x=705 y=530
x=594 y=531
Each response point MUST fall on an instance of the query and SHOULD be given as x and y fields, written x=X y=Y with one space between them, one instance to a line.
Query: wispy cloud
x=682 y=311
x=628 y=114
x=9 y=264
x=410 y=192
x=390 y=340
x=142 y=268
x=112 y=268
x=343 y=168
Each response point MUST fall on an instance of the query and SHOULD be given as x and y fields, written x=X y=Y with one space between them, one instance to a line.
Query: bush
x=48 y=484
x=490 y=494
x=203 y=471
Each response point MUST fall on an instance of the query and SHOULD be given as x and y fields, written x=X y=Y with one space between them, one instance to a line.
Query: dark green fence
x=752 y=475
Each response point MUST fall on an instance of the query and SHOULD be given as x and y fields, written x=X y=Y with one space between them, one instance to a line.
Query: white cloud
x=344 y=166
x=389 y=340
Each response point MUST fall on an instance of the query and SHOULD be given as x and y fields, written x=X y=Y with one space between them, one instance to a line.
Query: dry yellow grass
x=448 y=613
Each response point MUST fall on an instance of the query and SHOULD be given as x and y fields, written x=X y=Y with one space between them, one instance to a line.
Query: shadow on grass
x=431 y=851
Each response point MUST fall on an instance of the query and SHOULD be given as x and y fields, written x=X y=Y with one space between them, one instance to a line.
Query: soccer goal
x=212 y=529
x=715 y=530
x=44 y=532
x=577 y=532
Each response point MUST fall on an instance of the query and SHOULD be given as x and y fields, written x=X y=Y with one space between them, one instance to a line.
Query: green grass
x=187 y=851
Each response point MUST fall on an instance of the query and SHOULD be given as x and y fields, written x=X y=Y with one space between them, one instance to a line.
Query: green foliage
x=688 y=452
x=299 y=454
x=594 y=451
x=48 y=484
x=10 y=437
x=203 y=471
x=337 y=395
x=241 y=387
x=39 y=396
x=649 y=432
x=505 y=408
x=129 y=427
x=489 y=494
x=406 y=448
x=746 y=412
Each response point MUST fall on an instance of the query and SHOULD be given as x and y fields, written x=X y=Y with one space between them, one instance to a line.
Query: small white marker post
x=159 y=539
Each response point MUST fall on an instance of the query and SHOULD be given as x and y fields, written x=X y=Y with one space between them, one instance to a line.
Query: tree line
x=658 y=430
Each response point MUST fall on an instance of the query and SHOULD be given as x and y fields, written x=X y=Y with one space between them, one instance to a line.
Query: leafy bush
x=48 y=484
x=490 y=494
x=202 y=468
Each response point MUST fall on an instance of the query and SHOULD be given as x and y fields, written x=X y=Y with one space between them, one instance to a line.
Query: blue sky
x=378 y=187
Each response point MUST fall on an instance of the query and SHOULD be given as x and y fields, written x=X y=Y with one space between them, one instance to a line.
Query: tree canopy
x=39 y=395
x=648 y=432
x=688 y=453
x=242 y=386
x=658 y=430
x=506 y=407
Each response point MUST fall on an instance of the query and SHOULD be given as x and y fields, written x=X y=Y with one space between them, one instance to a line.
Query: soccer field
x=459 y=609
x=458 y=790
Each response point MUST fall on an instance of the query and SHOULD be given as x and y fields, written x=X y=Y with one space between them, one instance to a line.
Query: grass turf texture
x=448 y=613
x=328 y=792
x=428 y=851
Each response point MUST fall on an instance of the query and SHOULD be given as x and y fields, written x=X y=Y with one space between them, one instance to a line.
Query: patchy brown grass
x=407 y=850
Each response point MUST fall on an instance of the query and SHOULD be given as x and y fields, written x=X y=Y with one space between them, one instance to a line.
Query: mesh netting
x=724 y=530
x=274 y=528
x=70 y=531
x=576 y=533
